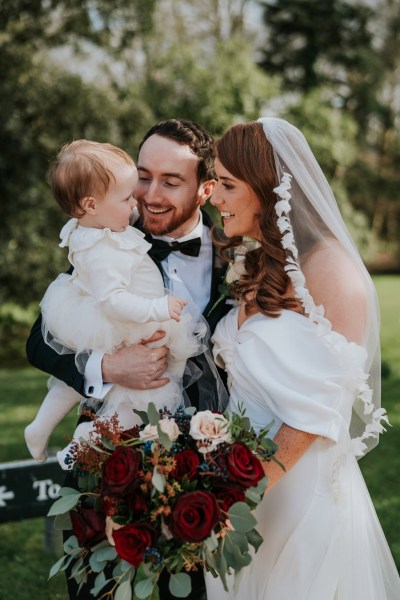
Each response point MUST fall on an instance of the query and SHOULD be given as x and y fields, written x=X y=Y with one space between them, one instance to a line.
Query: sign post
x=28 y=489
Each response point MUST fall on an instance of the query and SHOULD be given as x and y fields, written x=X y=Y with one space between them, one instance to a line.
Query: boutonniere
x=235 y=269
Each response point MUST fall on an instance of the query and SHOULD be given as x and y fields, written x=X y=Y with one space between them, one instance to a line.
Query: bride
x=302 y=350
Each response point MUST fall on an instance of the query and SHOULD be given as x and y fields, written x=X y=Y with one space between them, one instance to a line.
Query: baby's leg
x=64 y=456
x=126 y=417
x=58 y=402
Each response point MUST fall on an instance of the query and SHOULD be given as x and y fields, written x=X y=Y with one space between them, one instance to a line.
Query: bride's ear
x=88 y=204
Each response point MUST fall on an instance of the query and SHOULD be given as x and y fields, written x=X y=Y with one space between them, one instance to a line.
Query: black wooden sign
x=28 y=489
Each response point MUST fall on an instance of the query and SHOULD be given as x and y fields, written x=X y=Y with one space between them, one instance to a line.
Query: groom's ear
x=88 y=204
x=205 y=190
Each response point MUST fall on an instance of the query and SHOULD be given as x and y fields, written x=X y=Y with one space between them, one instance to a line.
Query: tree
x=315 y=43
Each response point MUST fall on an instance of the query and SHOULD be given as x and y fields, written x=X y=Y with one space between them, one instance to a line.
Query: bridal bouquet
x=174 y=494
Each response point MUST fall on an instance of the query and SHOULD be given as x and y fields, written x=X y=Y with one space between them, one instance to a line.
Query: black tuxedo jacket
x=41 y=356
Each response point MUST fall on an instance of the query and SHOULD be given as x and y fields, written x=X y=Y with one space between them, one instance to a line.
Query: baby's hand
x=175 y=307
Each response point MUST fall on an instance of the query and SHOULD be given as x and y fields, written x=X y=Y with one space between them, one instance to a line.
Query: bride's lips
x=156 y=210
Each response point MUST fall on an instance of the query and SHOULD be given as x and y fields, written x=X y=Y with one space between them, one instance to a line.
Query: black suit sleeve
x=41 y=356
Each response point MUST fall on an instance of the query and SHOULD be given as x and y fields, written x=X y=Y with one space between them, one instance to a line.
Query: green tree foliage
x=352 y=50
x=312 y=43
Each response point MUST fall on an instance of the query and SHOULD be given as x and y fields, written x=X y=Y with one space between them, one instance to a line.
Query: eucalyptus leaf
x=95 y=565
x=252 y=495
x=107 y=443
x=260 y=487
x=63 y=522
x=236 y=549
x=124 y=591
x=77 y=567
x=121 y=567
x=64 y=504
x=106 y=553
x=221 y=567
x=57 y=566
x=212 y=542
x=190 y=410
x=254 y=538
x=99 y=583
x=144 y=588
x=164 y=438
x=238 y=539
x=180 y=585
x=142 y=415
x=70 y=543
x=241 y=517
x=154 y=415
x=158 y=480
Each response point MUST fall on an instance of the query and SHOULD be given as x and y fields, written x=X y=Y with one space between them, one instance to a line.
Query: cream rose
x=209 y=429
x=168 y=426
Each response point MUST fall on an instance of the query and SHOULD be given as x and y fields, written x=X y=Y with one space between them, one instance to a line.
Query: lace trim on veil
x=334 y=341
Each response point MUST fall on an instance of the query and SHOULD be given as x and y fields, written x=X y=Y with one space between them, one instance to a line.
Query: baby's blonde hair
x=81 y=169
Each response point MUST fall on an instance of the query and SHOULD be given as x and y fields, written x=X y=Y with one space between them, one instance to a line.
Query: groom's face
x=168 y=193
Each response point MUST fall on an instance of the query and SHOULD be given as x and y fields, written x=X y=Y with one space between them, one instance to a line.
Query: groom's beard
x=170 y=221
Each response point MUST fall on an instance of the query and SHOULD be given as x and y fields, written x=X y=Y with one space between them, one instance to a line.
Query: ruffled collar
x=79 y=238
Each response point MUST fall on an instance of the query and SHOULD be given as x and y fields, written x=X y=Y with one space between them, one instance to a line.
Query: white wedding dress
x=322 y=538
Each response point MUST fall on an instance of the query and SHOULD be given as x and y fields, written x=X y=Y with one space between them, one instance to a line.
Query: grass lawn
x=25 y=565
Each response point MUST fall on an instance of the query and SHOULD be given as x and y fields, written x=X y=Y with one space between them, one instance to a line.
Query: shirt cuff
x=163 y=311
x=94 y=386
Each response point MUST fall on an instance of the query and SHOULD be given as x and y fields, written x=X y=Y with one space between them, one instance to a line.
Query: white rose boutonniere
x=235 y=268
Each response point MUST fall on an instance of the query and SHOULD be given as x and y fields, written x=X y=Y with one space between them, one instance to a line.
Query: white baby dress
x=114 y=297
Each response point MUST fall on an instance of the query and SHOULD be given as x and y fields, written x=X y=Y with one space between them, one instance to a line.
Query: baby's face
x=115 y=209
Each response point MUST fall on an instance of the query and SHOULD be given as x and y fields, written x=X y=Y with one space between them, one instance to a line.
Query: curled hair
x=189 y=134
x=245 y=152
x=82 y=169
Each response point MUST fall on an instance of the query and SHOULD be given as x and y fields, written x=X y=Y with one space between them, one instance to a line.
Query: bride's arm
x=292 y=443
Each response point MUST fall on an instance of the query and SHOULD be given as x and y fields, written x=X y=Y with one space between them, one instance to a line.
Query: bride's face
x=238 y=204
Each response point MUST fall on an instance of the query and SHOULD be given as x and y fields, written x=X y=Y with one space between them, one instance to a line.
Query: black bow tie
x=160 y=249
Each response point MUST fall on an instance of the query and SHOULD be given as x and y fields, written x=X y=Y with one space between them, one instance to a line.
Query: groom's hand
x=137 y=367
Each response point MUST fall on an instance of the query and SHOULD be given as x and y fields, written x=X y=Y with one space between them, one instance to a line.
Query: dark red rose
x=228 y=495
x=244 y=468
x=120 y=472
x=88 y=526
x=136 y=502
x=128 y=434
x=109 y=505
x=132 y=541
x=194 y=516
x=187 y=462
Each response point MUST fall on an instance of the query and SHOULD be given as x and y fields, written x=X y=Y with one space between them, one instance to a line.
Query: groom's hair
x=189 y=134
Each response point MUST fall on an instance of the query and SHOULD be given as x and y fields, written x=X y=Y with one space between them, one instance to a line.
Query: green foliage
x=310 y=42
x=15 y=325
x=332 y=135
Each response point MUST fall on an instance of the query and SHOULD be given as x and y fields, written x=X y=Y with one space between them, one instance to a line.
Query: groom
x=176 y=177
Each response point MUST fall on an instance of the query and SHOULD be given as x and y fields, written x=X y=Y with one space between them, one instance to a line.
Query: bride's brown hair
x=245 y=152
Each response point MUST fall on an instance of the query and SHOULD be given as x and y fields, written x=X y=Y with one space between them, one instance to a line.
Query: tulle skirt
x=74 y=322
